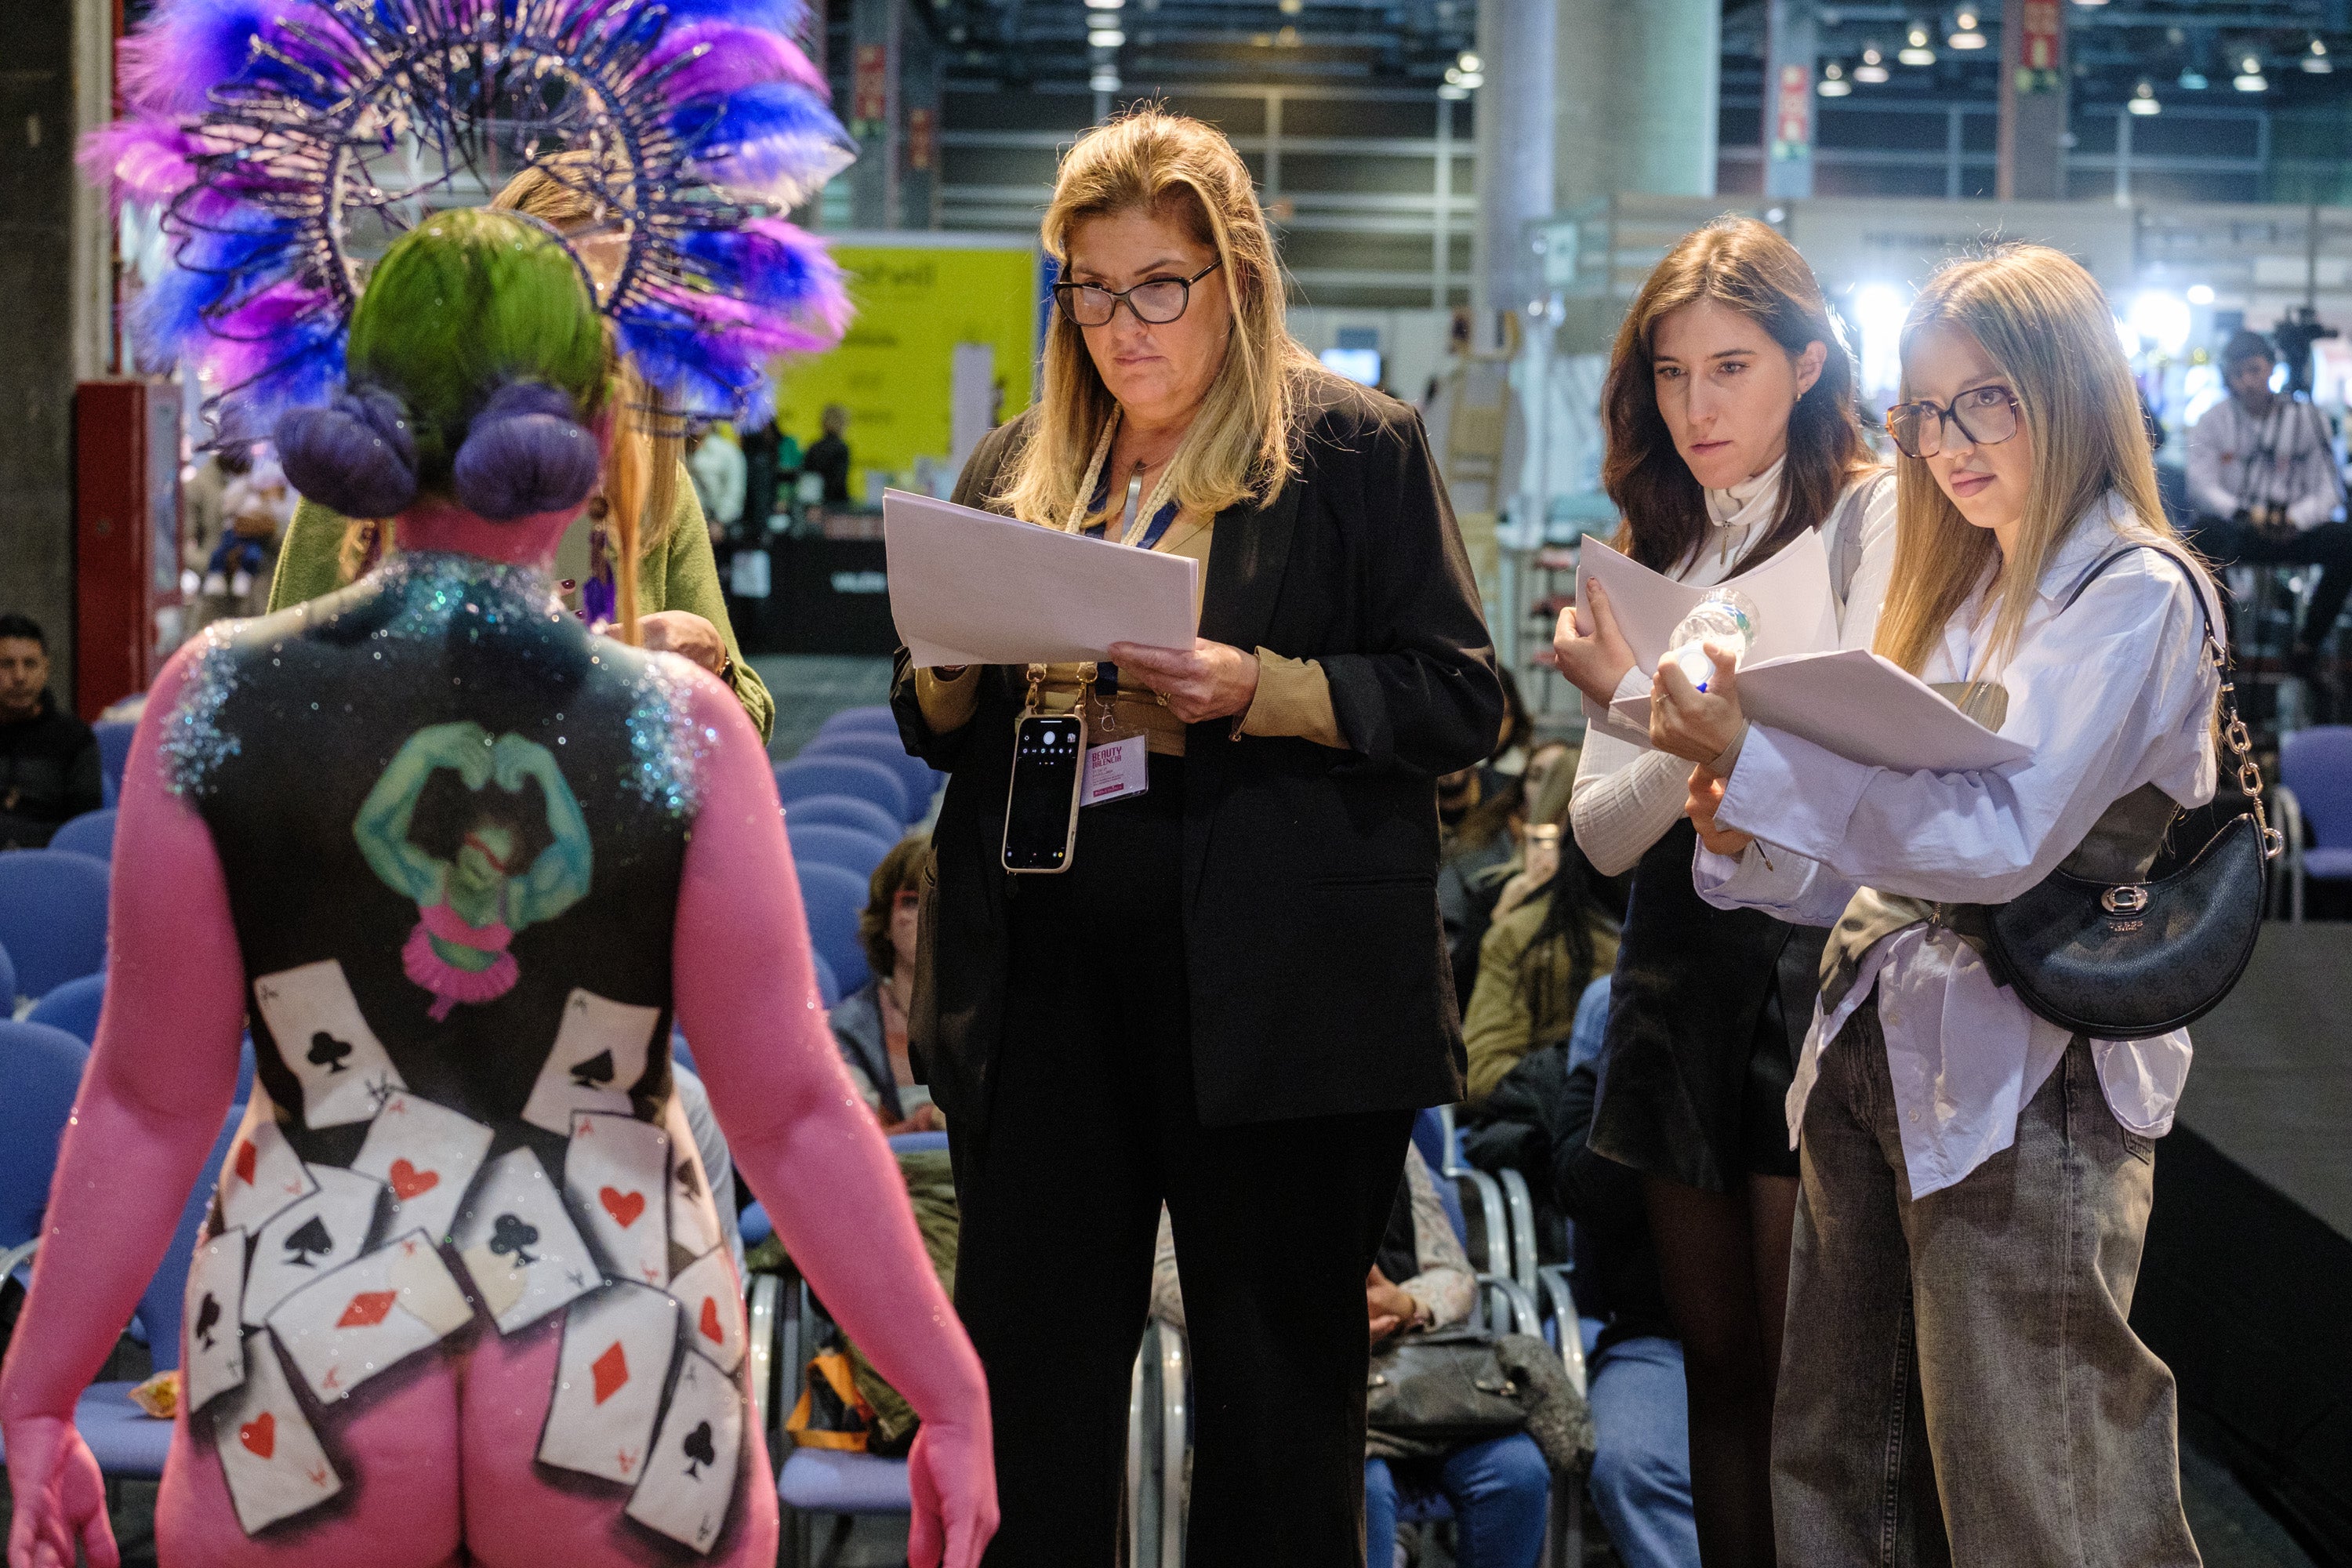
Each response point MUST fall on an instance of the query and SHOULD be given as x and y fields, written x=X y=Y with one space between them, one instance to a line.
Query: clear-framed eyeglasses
x=1156 y=302
x=1985 y=416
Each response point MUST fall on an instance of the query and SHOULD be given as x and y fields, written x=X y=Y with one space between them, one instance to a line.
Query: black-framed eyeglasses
x=1986 y=416
x=1156 y=302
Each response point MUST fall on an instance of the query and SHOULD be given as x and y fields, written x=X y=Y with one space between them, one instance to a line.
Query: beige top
x=1293 y=695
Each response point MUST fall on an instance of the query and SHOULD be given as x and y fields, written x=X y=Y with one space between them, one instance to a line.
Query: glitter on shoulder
x=665 y=746
x=194 y=744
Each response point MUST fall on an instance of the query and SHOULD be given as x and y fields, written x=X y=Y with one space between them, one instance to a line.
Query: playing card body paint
x=616 y=1171
x=262 y=1173
x=326 y=1044
x=520 y=1247
x=693 y=1218
x=272 y=1460
x=370 y=1315
x=598 y=1057
x=690 y=1479
x=310 y=1238
x=428 y=1155
x=213 y=1360
x=617 y=1347
x=705 y=1289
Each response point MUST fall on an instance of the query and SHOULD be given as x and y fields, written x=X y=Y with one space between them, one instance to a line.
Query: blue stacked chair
x=845 y=811
x=833 y=898
x=877 y=718
x=73 y=1008
x=828 y=989
x=8 y=991
x=851 y=848
x=53 y=916
x=874 y=746
x=41 y=1065
x=857 y=776
x=113 y=755
x=92 y=833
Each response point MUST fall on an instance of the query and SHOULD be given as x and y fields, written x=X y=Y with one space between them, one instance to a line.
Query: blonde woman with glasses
x=1960 y=1382
x=1236 y=997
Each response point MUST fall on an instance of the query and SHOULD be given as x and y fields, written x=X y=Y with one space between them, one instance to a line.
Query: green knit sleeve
x=689 y=580
x=309 y=558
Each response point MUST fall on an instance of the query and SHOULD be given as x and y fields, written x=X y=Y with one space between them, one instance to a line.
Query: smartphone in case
x=1041 y=813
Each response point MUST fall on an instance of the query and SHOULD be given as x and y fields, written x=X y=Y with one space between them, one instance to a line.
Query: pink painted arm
x=802 y=1137
x=158 y=1083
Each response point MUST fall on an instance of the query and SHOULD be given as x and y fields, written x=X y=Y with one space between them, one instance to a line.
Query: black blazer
x=1319 y=977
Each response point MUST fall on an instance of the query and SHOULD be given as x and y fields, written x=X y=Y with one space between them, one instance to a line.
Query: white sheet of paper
x=1866 y=708
x=598 y=1057
x=262 y=1173
x=710 y=1296
x=617 y=1347
x=369 y=1316
x=326 y=1043
x=616 y=1171
x=1795 y=611
x=273 y=1461
x=214 y=1361
x=427 y=1154
x=969 y=587
x=520 y=1245
x=689 y=1480
x=310 y=1238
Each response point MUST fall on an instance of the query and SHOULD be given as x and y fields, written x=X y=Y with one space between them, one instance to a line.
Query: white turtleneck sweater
x=1627 y=796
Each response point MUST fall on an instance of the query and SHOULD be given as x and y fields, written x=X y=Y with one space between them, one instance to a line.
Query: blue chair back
x=845 y=811
x=834 y=898
x=814 y=843
x=52 y=916
x=2316 y=763
x=164 y=1303
x=245 y=1070
x=875 y=719
x=41 y=1067
x=92 y=833
x=73 y=1008
x=913 y=771
x=858 y=776
x=680 y=1053
x=1429 y=1139
x=919 y=1143
x=828 y=989
x=8 y=991
x=113 y=755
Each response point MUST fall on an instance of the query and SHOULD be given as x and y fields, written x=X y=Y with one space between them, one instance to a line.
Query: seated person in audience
x=1498 y=1488
x=1640 y=1468
x=1550 y=934
x=49 y=758
x=870 y=1023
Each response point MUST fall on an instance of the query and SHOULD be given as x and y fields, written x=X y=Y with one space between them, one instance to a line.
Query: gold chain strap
x=2242 y=744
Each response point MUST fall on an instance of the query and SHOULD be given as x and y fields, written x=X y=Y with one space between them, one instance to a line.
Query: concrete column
x=2033 y=81
x=1791 y=55
x=921 y=102
x=1636 y=104
x=876 y=112
x=1514 y=109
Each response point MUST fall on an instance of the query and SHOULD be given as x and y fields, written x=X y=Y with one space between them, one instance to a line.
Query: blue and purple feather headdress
x=287 y=140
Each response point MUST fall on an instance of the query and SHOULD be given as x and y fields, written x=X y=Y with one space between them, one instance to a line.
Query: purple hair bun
x=356 y=455
x=525 y=452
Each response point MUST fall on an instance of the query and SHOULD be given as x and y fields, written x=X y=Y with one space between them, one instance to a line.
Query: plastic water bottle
x=1726 y=617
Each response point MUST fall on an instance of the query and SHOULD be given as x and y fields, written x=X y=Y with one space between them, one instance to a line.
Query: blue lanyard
x=1161 y=520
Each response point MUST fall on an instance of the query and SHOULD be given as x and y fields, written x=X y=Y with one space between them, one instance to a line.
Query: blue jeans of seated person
x=1641 y=1482
x=1498 y=1488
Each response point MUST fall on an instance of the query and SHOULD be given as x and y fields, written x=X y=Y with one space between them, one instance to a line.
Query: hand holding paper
x=1595 y=660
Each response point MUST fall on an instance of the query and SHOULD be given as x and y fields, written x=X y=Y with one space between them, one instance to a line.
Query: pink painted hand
x=61 y=1497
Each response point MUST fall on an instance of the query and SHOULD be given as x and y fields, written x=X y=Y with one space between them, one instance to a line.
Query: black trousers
x=1092 y=1125
x=2326 y=545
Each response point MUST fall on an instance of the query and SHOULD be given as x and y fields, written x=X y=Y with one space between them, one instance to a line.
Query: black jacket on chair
x=1318 y=978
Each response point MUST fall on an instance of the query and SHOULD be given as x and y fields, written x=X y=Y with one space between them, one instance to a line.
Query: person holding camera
x=2263 y=483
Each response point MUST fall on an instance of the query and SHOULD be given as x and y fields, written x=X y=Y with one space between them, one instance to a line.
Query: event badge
x=1115 y=769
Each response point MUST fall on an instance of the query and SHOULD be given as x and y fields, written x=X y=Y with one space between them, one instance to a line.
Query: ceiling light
x=1965 y=35
x=1451 y=93
x=2143 y=99
x=2192 y=79
x=1833 y=82
x=1873 y=67
x=1471 y=63
x=2250 y=77
x=1915 y=51
x=2317 y=62
x=1105 y=4
x=2200 y=293
x=1288 y=37
x=1472 y=80
x=1107 y=38
x=1291 y=7
x=2090 y=1
x=1104 y=81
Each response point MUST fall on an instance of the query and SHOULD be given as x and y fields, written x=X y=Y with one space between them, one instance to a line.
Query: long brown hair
x=2044 y=322
x=1748 y=267
x=1240 y=447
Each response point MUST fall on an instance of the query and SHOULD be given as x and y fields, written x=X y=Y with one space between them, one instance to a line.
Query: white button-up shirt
x=2112 y=694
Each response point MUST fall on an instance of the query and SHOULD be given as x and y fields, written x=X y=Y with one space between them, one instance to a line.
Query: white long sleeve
x=1624 y=800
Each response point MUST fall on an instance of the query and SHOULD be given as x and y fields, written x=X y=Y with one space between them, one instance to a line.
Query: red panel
x=127 y=535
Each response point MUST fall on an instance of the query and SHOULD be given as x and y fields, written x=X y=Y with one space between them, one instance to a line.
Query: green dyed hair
x=472 y=302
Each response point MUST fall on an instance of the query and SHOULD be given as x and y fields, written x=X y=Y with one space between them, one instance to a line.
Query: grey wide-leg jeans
x=1960 y=1382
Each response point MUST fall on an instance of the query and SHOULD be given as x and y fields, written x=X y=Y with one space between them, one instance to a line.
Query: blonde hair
x=643 y=441
x=1240 y=447
x=2045 y=325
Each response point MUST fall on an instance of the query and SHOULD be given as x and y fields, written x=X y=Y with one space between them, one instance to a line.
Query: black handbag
x=2129 y=961
x=1442 y=1389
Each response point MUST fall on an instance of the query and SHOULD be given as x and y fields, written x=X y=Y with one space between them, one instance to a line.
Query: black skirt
x=1707 y=1008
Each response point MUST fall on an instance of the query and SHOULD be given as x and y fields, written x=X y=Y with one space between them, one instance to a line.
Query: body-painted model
x=461 y=1297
